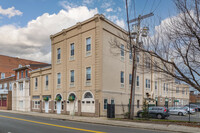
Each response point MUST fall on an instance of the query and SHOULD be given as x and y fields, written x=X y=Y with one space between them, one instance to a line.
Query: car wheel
x=159 y=116
x=140 y=115
x=180 y=114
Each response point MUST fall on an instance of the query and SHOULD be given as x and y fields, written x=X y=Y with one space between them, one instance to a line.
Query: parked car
x=156 y=112
x=189 y=110
x=177 y=111
x=196 y=107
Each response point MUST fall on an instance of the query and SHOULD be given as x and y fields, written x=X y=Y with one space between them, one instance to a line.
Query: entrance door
x=46 y=106
x=58 y=107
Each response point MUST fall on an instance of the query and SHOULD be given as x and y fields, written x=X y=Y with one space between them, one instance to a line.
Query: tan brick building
x=87 y=73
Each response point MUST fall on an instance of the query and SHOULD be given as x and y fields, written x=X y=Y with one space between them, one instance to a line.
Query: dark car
x=156 y=112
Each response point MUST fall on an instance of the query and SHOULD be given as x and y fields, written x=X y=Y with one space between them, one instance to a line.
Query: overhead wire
x=152 y=5
x=144 y=7
x=157 y=6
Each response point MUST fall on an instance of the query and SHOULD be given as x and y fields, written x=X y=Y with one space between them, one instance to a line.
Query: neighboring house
x=21 y=87
x=87 y=74
x=6 y=93
x=7 y=64
x=194 y=98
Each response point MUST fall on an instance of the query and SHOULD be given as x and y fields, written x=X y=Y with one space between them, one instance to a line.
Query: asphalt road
x=15 y=123
x=193 y=117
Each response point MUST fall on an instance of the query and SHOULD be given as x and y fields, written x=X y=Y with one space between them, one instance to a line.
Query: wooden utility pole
x=134 y=52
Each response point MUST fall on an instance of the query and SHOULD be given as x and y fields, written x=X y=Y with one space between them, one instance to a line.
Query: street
x=193 y=117
x=15 y=123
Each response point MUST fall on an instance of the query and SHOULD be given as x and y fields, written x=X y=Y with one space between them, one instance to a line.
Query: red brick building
x=7 y=64
x=6 y=93
x=194 y=98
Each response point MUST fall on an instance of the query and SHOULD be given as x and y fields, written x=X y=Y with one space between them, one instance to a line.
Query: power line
x=152 y=5
x=157 y=6
x=144 y=7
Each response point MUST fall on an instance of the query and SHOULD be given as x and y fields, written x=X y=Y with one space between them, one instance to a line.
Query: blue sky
x=27 y=24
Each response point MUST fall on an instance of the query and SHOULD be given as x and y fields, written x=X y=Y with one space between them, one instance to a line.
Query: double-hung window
x=47 y=81
x=2 y=75
x=58 y=80
x=88 y=46
x=122 y=52
x=58 y=55
x=138 y=81
x=148 y=83
x=88 y=73
x=130 y=79
x=72 y=51
x=122 y=77
x=36 y=83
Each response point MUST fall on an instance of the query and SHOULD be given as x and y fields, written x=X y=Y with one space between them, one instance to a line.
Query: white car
x=177 y=111
x=192 y=110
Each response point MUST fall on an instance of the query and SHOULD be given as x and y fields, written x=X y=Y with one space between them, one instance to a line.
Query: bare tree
x=177 y=44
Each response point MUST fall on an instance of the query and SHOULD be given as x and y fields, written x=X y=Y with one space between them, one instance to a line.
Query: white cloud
x=87 y=1
x=10 y=12
x=33 y=41
x=117 y=21
x=120 y=23
x=109 y=10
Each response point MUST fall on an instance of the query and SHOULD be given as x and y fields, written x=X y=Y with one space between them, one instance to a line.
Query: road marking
x=73 y=128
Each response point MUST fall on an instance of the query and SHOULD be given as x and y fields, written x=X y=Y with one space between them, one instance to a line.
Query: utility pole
x=135 y=52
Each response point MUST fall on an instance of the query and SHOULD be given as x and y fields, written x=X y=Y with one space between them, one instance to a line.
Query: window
x=148 y=64
x=2 y=75
x=122 y=77
x=138 y=58
x=88 y=95
x=36 y=83
x=0 y=86
x=58 y=55
x=177 y=90
x=88 y=73
x=156 y=85
x=10 y=86
x=138 y=103
x=72 y=49
x=55 y=105
x=88 y=44
x=58 y=79
x=112 y=101
x=130 y=55
x=148 y=83
x=17 y=75
x=26 y=73
x=37 y=104
x=21 y=86
x=5 y=86
x=72 y=76
x=22 y=74
x=183 y=91
x=122 y=50
x=161 y=100
x=164 y=86
x=105 y=103
x=130 y=79
x=138 y=83
x=47 y=81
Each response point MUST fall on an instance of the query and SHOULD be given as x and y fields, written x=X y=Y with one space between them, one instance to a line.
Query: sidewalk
x=105 y=121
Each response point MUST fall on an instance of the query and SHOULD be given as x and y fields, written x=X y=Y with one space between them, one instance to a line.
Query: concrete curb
x=105 y=121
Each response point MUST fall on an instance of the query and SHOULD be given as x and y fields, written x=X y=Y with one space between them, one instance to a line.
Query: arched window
x=88 y=95
x=72 y=95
